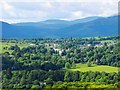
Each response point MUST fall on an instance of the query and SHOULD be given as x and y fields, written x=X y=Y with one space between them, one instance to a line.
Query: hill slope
x=89 y=27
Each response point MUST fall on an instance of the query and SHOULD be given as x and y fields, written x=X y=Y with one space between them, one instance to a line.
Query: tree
x=36 y=82
x=76 y=76
x=73 y=64
x=54 y=59
x=67 y=76
x=9 y=73
x=89 y=64
x=35 y=87
x=22 y=81
x=49 y=81
x=67 y=65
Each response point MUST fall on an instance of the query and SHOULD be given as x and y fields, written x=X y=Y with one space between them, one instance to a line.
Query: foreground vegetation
x=61 y=63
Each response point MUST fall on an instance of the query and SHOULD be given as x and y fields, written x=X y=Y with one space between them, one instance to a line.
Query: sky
x=15 y=11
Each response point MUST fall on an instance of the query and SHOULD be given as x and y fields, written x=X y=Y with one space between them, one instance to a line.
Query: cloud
x=38 y=10
x=76 y=15
x=6 y=6
x=7 y=10
x=62 y=0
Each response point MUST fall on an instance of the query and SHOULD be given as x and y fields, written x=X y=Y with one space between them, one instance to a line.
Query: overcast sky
x=13 y=11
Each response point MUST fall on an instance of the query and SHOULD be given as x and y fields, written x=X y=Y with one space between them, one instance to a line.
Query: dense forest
x=52 y=63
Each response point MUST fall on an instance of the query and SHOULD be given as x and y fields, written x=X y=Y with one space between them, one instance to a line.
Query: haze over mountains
x=87 y=27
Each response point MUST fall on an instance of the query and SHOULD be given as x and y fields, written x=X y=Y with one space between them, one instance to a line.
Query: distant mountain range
x=86 y=27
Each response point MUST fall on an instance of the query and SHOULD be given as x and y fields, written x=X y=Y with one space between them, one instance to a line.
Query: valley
x=64 y=63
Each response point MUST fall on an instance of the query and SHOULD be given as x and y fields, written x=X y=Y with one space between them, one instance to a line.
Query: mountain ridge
x=98 y=26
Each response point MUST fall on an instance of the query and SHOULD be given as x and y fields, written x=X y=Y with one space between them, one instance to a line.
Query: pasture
x=94 y=68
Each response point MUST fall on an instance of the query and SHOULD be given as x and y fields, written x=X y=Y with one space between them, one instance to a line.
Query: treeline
x=41 y=66
x=60 y=40
x=42 y=78
x=82 y=86
x=40 y=57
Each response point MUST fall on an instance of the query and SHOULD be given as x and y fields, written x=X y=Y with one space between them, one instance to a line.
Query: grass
x=94 y=68
x=108 y=40
x=2 y=45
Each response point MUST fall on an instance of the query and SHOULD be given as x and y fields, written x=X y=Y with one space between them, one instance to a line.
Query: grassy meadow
x=101 y=68
x=5 y=44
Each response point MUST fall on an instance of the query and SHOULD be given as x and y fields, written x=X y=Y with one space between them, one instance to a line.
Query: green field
x=2 y=45
x=100 y=68
x=109 y=41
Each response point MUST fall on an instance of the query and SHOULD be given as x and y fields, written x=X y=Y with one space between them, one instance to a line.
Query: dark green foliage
x=27 y=79
x=67 y=65
x=45 y=65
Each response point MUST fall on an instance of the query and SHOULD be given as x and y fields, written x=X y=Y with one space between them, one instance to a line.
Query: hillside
x=88 y=27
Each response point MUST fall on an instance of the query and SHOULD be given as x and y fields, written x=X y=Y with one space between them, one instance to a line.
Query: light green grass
x=109 y=41
x=100 y=68
x=2 y=45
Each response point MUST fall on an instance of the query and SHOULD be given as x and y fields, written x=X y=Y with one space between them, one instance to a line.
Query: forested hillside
x=61 y=63
x=87 y=27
